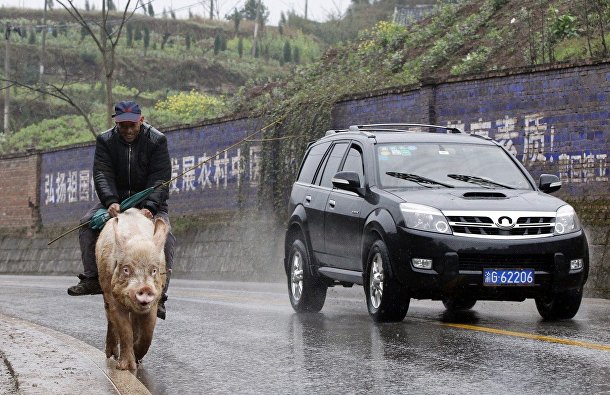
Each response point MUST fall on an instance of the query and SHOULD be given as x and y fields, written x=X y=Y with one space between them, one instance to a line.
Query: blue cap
x=127 y=111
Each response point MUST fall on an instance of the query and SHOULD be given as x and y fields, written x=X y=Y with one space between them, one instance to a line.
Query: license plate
x=494 y=277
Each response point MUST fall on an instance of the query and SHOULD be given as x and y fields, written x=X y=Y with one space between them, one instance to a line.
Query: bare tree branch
x=77 y=16
x=58 y=92
x=106 y=43
x=124 y=19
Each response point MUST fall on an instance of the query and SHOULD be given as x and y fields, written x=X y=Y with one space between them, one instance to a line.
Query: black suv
x=429 y=212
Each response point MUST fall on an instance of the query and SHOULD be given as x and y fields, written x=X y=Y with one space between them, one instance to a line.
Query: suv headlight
x=420 y=217
x=566 y=221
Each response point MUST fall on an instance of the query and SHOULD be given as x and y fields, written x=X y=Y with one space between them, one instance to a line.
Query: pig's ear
x=160 y=234
x=118 y=237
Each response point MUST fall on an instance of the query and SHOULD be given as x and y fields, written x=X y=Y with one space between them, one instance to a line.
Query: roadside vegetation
x=160 y=60
x=295 y=72
x=459 y=38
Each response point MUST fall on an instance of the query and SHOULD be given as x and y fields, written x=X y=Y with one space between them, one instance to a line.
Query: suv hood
x=480 y=199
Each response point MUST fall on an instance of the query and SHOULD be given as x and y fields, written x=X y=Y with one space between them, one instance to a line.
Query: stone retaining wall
x=225 y=246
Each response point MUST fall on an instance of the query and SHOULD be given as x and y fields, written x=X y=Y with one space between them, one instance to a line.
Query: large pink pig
x=131 y=269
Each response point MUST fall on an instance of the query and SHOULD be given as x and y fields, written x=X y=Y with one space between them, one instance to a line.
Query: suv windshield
x=443 y=165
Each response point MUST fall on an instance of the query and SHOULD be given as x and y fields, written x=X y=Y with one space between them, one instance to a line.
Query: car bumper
x=458 y=264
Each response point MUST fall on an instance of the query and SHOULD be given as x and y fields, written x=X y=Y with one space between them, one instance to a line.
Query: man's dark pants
x=88 y=237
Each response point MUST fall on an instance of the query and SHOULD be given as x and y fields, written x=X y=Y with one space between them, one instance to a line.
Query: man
x=129 y=158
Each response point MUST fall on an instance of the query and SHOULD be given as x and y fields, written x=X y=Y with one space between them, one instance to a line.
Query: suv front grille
x=479 y=262
x=501 y=225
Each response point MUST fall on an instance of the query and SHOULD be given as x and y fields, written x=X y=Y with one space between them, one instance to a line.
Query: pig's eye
x=126 y=270
x=154 y=272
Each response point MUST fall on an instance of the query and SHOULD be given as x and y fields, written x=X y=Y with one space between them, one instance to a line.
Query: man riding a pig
x=129 y=158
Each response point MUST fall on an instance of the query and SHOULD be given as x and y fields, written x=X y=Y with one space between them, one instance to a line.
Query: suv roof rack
x=334 y=131
x=400 y=127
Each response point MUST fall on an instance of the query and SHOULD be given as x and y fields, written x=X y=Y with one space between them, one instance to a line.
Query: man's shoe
x=86 y=286
x=161 y=307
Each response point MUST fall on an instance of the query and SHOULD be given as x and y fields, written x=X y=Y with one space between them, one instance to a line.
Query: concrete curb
x=39 y=360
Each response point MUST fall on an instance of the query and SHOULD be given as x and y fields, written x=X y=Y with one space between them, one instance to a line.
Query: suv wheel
x=307 y=293
x=387 y=300
x=453 y=304
x=558 y=306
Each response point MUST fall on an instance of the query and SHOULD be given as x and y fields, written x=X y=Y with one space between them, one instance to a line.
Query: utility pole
x=104 y=37
x=211 y=9
x=305 y=9
x=44 y=41
x=7 y=88
x=256 y=22
x=7 y=70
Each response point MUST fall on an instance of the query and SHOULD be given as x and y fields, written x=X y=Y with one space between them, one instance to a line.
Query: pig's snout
x=145 y=295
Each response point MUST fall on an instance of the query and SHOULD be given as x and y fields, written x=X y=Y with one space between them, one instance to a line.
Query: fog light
x=422 y=263
x=576 y=264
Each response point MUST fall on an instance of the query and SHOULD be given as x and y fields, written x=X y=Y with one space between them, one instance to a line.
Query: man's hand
x=147 y=213
x=114 y=209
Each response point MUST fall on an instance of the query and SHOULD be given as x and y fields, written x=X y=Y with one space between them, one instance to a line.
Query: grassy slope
x=466 y=37
x=471 y=36
x=148 y=75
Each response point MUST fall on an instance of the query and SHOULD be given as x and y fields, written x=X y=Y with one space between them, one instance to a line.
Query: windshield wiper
x=417 y=179
x=484 y=182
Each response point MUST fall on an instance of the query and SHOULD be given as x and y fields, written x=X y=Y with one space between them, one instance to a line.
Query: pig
x=131 y=270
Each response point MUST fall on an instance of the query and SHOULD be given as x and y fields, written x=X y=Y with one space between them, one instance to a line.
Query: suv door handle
x=308 y=198
x=331 y=203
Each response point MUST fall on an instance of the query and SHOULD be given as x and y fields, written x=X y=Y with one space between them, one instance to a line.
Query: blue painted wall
x=554 y=121
x=67 y=191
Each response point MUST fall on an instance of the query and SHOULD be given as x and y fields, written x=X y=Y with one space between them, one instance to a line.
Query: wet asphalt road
x=223 y=337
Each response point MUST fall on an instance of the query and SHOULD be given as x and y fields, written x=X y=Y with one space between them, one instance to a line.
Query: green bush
x=186 y=108
x=50 y=133
x=474 y=62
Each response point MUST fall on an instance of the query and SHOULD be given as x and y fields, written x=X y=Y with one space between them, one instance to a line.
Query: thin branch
x=76 y=15
x=58 y=93
x=125 y=18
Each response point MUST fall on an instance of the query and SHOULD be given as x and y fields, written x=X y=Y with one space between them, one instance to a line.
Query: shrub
x=187 y=108
x=474 y=62
x=64 y=130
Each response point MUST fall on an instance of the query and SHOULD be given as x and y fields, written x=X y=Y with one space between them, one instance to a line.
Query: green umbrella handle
x=99 y=219
x=101 y=216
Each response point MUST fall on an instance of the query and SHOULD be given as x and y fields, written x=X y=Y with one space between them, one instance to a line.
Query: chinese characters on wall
x=218 y=172
x=68 y=187
x=540 y=146
x=537 y=141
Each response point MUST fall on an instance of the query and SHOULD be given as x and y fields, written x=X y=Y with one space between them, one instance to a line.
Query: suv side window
x=332 y=164
x=310 y=165
x=353 y=161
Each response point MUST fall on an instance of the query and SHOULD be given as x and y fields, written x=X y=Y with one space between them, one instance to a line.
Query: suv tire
x=387 y=300
x=559 y=306
x=456 y=304
x=307 y=293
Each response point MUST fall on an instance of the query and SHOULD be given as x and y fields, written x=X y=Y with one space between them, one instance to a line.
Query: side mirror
x=348 y=181
x=549 y=183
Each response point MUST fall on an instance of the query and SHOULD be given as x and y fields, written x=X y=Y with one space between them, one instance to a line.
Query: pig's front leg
x=144 y=326
x=112 y=340
x=122 y=327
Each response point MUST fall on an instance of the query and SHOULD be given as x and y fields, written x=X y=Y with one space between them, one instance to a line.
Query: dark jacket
x=121 y=169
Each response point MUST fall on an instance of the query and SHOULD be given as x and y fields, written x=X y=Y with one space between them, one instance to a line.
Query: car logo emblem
x=505 y=222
